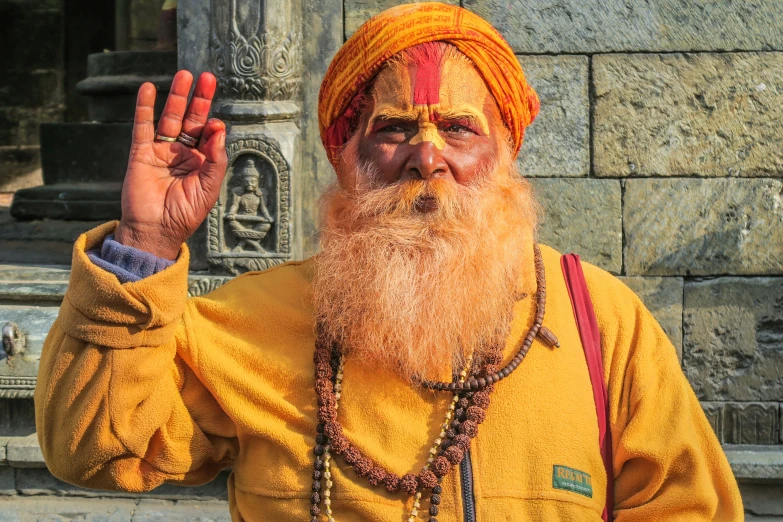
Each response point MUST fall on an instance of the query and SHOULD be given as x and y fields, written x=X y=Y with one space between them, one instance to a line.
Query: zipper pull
x=549 y=338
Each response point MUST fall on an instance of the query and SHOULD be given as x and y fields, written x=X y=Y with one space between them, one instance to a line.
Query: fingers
x=143 y=126
x=214 y=125
x=170 y=122
x=197 y=112
x=214 y=167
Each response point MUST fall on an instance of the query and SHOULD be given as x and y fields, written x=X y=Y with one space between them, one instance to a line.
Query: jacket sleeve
x=668 y=463
x=119 y=402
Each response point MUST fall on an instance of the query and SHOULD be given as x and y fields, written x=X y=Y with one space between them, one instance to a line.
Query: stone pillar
x=253 y=47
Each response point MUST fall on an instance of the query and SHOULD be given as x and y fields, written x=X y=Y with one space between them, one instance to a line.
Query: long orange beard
x=417 y=293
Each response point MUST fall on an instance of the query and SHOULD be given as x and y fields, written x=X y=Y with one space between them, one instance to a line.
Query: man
x=429 y=278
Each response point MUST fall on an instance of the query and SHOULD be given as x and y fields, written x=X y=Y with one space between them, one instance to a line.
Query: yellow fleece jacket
x=139 y=385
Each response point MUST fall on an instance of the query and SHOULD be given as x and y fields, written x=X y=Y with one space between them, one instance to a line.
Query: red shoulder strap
x=591 y=343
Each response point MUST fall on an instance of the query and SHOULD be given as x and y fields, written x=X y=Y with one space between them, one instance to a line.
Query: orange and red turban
x=398 y=28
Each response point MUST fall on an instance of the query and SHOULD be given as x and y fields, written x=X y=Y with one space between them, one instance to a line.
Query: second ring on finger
x=187 y=139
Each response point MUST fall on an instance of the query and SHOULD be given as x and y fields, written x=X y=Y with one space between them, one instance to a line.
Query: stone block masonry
x=595 y=26
x=582 y=216
x=733 y=339
x=558 y=141
x=703 y=227
x=688 y=114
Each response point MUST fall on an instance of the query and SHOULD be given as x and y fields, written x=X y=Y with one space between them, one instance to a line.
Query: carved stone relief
x=714 y=414
x=249 y=228
x=198 y=286
x=17 y=387
x=250 y=61
x=751 y=423
x=744 y=422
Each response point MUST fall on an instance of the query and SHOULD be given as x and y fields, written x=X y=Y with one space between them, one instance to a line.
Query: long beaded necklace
x=466 y=411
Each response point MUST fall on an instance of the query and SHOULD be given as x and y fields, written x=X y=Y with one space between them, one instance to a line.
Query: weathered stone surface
x=558 y=141
x=322 y=22
x=32 y=88
x=20 y=167
x=181 y=511
x=688 y=114
x=762 y=499
x=69 y=201
x=3 y=442
x=38 y=481
x=85 y=152
x=359 y=11
x=34 y=322
x=17 y=416
x=7 y=483
x=35 y=509
x=733 y=338
x=33 y=283
x=703 y=226
x=24 y=452
x=751 y=423
x=755 y=463
x=663 y=297
x=31 y=37
x=593 y=26
x=144 y=16
x=19 y=125
x=582 y=216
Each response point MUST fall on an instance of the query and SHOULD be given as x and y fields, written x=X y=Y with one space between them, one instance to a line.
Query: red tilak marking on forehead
x=425 y=72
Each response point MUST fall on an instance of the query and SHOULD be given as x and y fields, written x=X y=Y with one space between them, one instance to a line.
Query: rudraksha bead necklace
x=466 y=412
x=480 y=383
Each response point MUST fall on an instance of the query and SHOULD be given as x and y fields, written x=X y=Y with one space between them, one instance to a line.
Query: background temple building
x=658 y=155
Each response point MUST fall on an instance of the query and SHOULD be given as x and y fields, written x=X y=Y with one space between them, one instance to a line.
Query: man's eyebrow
x=479 y=120
x=391 y=114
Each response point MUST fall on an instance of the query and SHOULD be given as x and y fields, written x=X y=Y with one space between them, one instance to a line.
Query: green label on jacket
x=572 y=480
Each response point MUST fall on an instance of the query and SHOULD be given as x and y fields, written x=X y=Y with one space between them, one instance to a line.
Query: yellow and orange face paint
x=432 y=92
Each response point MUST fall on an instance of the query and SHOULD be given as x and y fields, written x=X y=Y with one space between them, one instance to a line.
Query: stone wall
x=31 y=80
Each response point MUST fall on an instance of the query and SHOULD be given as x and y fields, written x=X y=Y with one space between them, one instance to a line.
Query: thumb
x=213 y=169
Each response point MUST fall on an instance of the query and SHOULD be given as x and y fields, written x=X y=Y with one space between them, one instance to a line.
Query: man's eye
x=456 y=128
x=392 y=128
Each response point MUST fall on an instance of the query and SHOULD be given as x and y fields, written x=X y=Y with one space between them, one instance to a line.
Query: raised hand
x=169 y=186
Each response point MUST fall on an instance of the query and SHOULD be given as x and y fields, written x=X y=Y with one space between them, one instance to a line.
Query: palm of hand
x=163 y=187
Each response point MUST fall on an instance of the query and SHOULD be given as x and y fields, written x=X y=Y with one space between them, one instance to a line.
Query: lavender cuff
x=127 y=263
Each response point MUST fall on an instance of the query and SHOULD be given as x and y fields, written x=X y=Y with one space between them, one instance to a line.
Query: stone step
x=38 y=242
x=74 y=509
x=69 y=201
x=85 y=152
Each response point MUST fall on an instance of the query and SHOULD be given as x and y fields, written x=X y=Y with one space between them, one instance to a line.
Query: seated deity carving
x=248 y=218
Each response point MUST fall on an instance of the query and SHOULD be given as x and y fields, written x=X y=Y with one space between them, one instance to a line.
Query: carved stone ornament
x=250 y=226
x=17 y=387
x=198 y=286
x=251 y=63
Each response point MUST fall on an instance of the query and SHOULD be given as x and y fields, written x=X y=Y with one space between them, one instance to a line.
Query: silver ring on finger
x=159 y=137
x=187 y=139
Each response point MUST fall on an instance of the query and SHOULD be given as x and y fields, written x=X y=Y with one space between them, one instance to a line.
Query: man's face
x=452 y=136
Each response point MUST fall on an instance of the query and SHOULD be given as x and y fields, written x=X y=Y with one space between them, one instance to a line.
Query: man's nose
x=426 y=162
